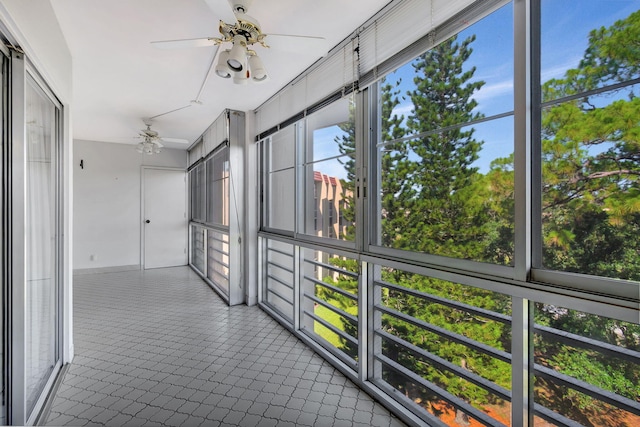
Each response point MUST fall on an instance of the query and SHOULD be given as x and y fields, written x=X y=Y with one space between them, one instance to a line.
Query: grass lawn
x=332 y=318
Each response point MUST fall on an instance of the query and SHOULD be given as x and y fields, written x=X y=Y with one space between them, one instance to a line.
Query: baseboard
x=114 y=269
x=251 y=301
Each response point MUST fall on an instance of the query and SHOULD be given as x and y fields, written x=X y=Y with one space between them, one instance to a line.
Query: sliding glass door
x=42 y=294
x=32 y=210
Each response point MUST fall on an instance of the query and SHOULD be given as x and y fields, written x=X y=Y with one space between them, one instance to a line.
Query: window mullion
x=523 y=138
x=524 y=88
x=361 y=184
x=521 y=363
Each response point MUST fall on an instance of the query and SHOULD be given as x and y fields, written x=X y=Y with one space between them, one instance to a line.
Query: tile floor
x=159 y=348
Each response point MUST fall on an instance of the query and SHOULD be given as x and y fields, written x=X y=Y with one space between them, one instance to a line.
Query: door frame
x=21 y=71
x=143 y=229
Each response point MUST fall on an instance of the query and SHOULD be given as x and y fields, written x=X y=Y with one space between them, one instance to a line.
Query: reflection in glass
x=329 y=171
x=332 y=200
x=42 y=284
x=572 y=348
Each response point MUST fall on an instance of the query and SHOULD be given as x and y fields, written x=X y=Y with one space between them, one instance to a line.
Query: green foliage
x=590 y=210
x=458 y=321
x=591 y=161
x=443 y=216
x=346 y=283
x=347 y=146
x=434 y=201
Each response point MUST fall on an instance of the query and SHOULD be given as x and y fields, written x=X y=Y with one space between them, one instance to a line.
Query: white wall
x=35 y=28
x=107 y=202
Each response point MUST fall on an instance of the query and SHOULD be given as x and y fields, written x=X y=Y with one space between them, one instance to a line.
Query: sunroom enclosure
x=450 y=215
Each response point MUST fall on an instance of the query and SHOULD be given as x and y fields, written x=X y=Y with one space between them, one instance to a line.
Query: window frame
x=302 y=162
x=600 y=288
x=526 y=284
x=221 y=149
x=264 y=146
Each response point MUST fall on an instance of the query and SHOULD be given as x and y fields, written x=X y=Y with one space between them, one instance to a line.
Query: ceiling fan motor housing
x=241 y=6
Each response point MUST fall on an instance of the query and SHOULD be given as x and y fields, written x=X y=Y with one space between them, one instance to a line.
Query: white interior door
x=164 y=218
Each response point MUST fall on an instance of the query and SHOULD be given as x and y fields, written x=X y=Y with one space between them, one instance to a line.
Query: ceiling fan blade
x=222 y=10
x=175 y=140
x=297 y=43
x=184 y=43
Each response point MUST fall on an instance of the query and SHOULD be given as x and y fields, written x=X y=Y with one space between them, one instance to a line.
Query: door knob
x=148 y=221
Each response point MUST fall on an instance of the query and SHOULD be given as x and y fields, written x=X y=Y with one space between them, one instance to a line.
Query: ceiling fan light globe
x=238 y=54
x=241 y=78
x=235 y=65
x=222 y=69
x=258 y=72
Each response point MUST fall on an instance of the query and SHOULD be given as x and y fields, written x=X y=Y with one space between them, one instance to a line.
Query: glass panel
x=197 y=183
x=329 y=172
x=430 y=204
x=197 y=248
x=590 y=151
x=445 y=180
x=330 y=301
x=580 y=361
x=218 y=188
x=281 y=149
x=218 y=259
x=279 y=278
x=332 y=199
x=280 y=180
x=42 y=284
x=281 y=190
x=448 y=336
x=218 y=199
x=587 y=47
x=591 y=185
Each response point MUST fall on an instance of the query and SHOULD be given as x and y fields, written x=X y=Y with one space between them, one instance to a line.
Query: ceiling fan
x=152 y=141
x=241 y=61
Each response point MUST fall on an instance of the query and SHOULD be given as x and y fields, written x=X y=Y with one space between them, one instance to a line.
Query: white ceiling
x=120 y=78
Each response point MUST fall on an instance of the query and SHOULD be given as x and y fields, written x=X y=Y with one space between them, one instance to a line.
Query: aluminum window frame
x=523 y=282
x=264 y=147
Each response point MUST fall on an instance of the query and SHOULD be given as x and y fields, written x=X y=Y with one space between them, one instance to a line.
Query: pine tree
x=347 y=147
x=393 y=164
x=428 y=186
x=445 y=218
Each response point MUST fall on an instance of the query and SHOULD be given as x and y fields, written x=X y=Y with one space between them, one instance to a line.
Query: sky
x=565 y=28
